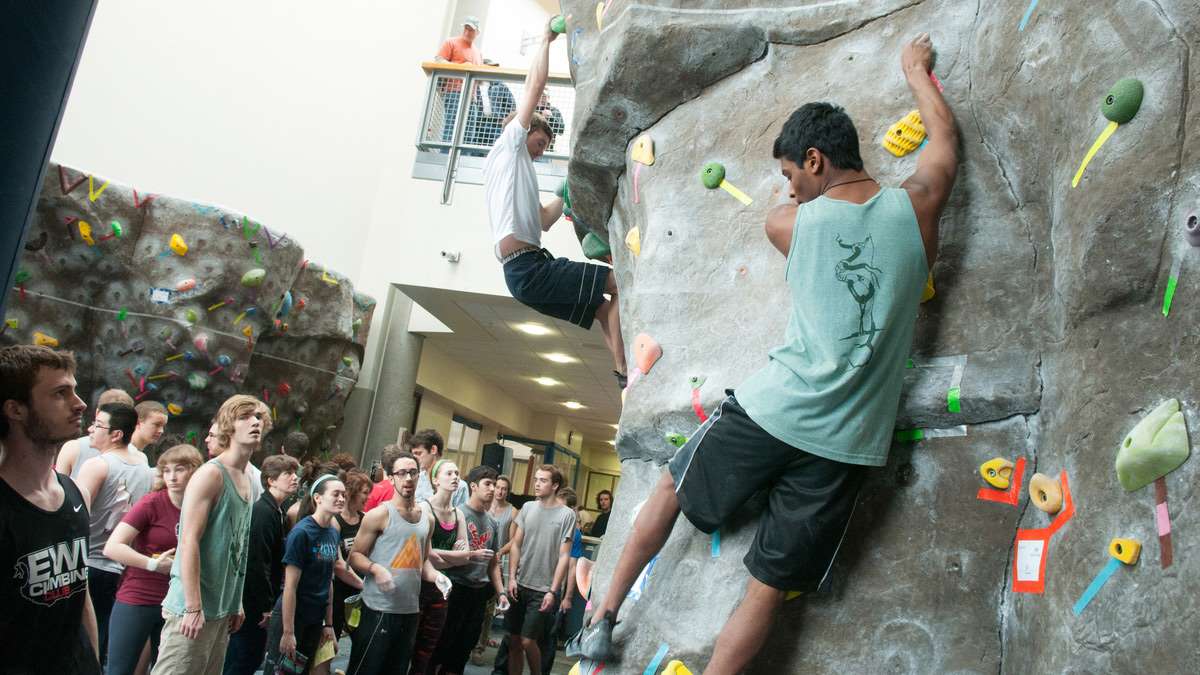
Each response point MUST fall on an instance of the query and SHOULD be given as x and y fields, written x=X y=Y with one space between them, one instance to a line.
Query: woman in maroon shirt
x=144 y=542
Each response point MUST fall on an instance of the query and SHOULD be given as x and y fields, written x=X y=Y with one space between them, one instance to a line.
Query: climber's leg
x=746 y=630
x=610 y=325
x=650 y=532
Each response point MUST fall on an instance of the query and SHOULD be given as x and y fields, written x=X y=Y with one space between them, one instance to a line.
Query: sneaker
x=622 y=380
x=593 y=642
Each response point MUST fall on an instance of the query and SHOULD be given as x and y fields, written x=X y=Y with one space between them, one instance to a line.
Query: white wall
x=271 y=107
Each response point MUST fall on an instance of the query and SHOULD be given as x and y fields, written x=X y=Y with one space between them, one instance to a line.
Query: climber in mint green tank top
x=805 y=427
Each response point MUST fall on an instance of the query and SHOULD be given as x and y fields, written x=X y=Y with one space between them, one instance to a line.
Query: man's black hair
x=823 y=126
x=121 y=418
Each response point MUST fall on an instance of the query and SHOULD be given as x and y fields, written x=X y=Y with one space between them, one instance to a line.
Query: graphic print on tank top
x=409 y=557
x=862 y=281
x=476 y=540
x=53 y=573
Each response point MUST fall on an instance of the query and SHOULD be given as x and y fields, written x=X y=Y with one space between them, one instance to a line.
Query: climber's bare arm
x=937 y=165
x=779 y=227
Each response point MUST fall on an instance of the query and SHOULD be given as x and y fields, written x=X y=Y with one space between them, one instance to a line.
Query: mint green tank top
x=855 y=273
x=222 y=555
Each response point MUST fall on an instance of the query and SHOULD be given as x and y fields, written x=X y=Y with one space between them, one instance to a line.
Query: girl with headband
x=303 y=616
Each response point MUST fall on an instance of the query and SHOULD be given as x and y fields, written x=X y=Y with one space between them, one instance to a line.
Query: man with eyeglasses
x=77 y=451
x=391 y=553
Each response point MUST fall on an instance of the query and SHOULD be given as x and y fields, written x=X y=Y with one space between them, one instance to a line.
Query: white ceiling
x=484 y=339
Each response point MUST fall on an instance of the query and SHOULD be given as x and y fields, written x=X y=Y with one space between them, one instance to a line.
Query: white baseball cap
x=472 y=21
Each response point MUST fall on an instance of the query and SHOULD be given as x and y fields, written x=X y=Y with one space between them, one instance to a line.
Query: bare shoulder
x=206 y=482
x=375 y=520
x=780 y=221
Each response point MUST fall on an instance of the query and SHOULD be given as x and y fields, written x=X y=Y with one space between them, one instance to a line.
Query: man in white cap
x=458 y=49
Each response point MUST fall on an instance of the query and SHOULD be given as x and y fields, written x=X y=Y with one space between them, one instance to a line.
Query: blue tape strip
x=1093 y=588
x=1028 y=13
x=657 y=660
x=716 y=544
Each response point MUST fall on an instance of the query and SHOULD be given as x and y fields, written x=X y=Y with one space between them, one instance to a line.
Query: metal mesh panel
x=442 y=109
x=489 y=102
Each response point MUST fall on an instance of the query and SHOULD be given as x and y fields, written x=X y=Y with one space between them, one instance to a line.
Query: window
x=462 y=444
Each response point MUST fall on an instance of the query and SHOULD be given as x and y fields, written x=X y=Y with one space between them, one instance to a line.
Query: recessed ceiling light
x=614 y=426
x=532 y=328
x=612 y=443
x=573 y=405
x=559 y=357
x=547 y=381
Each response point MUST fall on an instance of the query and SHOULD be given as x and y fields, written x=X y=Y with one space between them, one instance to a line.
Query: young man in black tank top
x=48 y=625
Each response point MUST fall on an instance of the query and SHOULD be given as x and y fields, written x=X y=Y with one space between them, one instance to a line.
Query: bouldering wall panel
x=187 y=304
x=1046 y=339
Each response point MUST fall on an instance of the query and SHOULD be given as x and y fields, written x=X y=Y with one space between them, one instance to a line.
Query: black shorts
x=525 y=617
x=809 y=499
x=558 y=287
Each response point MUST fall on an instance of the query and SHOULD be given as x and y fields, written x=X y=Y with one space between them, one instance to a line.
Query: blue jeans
x=246 y=649
x=129 y=627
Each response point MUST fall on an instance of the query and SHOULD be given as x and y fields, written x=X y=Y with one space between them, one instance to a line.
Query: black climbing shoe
x=593 y=642
x=622 y=380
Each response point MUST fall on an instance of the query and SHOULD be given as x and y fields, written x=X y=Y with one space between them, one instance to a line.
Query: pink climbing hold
x=201 y=343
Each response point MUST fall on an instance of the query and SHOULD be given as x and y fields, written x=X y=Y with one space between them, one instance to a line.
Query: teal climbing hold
x=1123 y=101
x=712 y=174
x=559 y=24
x=254 y=278
x=594 y=247
x=1155 y=447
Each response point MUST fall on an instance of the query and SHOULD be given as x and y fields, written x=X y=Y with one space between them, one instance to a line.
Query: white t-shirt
x=255 y=476
x=511 y=189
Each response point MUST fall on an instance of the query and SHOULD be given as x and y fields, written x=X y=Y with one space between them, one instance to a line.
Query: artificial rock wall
x=1048 y=315
x=237 y=308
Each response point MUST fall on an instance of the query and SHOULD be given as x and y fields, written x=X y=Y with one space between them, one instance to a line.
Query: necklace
x=847 y=182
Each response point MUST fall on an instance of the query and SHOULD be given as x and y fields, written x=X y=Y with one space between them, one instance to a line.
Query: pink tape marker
x=1163 y=518
x=637 y=168
x=936 y=81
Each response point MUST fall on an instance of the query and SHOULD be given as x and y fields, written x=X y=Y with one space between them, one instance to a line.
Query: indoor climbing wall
x=187 y=304
x=1005 y=534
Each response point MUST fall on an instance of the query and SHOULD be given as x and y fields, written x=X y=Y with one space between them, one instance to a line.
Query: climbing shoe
x=622 y=380
x=593 y=642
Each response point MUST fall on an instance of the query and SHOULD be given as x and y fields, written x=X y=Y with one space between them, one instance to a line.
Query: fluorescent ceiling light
x=547 y=381
x=532 y=328
x=614 y=426
x=573 y=405
x=612 y=443
x=559 y=357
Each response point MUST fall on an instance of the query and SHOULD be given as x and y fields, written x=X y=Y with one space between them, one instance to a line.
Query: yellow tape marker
x=1104 y=135
x=737 y=194
x=94 y=194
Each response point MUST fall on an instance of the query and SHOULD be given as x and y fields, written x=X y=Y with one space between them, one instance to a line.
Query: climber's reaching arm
x=929 y=186
x=780 y=222
x=535 y=81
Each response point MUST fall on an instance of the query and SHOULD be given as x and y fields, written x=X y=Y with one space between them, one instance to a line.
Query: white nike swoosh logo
x=78 y=507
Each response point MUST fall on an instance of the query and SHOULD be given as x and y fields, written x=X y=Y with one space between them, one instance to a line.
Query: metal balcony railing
x=465 y=107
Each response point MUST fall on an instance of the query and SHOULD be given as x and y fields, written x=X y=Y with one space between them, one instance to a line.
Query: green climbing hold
x=197 y=380
x=122 y=314
x=356 y=326
x=677 y=440
x=21 y=277
x=564 y=193
x=347 y=361
x=192 y=316
x=254 y=278
x=594 y=247
x=117 y=230
x=1123 y=101
x=559 y=24
x=1155 y=447
x=697 y=381
x=712 y=174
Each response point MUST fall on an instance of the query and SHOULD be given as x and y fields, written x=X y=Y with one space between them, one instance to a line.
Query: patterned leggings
x=433 y=617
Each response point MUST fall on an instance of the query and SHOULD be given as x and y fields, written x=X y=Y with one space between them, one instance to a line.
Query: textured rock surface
x=189 y=345
x=1052 y=294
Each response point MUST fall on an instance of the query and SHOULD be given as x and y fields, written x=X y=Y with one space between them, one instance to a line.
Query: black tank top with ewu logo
x=43 y=584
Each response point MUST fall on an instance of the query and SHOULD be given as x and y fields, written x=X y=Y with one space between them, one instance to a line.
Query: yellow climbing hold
x=676 y=668
x=178 y=245
x=905 y=135
x=43 y=340
x=85 y=232
x=928 y=293
x=174 y=409
x=633 y=240
x=997 y=472
x=643 y=150
x=1125 y=550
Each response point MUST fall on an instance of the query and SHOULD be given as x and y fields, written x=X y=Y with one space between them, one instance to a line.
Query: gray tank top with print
x=401 y=549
